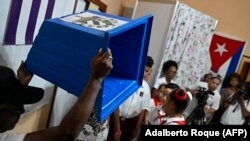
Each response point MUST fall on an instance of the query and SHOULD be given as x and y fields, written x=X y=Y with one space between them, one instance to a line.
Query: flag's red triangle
x=221 y=49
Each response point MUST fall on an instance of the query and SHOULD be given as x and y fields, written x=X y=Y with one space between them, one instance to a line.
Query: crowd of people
x=166 y=103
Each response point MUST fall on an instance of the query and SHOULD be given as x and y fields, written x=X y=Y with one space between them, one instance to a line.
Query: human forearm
x=115 y=119
x=101 y=66
x=79 y=114
x=137 y=128
x=244 y=110
x=146 y=114
x=140 y=118
x=115 y=130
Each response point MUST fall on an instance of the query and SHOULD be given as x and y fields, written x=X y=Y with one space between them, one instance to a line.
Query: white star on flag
x=221 y=48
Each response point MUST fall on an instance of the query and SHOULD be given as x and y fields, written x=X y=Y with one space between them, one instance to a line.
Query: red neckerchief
x=160 y=117
x=157 y=102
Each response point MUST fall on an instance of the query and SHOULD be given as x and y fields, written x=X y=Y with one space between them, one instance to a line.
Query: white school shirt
x=157 y=116
x=137 y=102
x=12 y=137
x=160 y=81
x=233 y=114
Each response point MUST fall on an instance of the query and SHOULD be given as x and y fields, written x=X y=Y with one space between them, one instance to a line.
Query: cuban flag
x=26 y=17
x=226 y=53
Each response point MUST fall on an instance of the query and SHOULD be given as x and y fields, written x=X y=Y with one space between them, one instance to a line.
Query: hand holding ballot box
x=64 y=47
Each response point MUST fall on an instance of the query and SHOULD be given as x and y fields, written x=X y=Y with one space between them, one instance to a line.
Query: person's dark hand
x=101 y=64
x=24 y=75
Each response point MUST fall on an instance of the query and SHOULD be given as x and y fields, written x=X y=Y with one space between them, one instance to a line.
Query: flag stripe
x=32 y=21
x=26 y=16
x=233 y=65
x=40 y=17
x=10 y=36
x=235 y=60
x=23 y=22
x=50 y=8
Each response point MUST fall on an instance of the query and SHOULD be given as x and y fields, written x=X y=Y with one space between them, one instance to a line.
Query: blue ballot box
x=64 y=47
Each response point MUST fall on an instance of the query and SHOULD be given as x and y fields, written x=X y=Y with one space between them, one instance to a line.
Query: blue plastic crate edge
x=109 y=108
x=132 y=24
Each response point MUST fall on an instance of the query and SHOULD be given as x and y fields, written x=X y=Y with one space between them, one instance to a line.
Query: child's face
x=147 y=72
x=163 y=92
x=171 y=72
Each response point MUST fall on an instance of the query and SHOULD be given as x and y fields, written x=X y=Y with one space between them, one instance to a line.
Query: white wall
x=162 y=12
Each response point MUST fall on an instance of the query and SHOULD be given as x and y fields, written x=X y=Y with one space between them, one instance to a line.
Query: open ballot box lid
x=63 y=49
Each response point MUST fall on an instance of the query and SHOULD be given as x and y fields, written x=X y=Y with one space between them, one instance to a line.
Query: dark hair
x=169 y=85
x=149 y=62
x=216 y=76
x=180 y=99
x=206 y=76
x=234 y=75
x=172 y=86
x=162 y=85
x=169 y=64
x=230 y=77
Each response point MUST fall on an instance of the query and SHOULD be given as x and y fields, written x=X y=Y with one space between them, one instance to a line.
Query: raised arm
x=73 y=122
